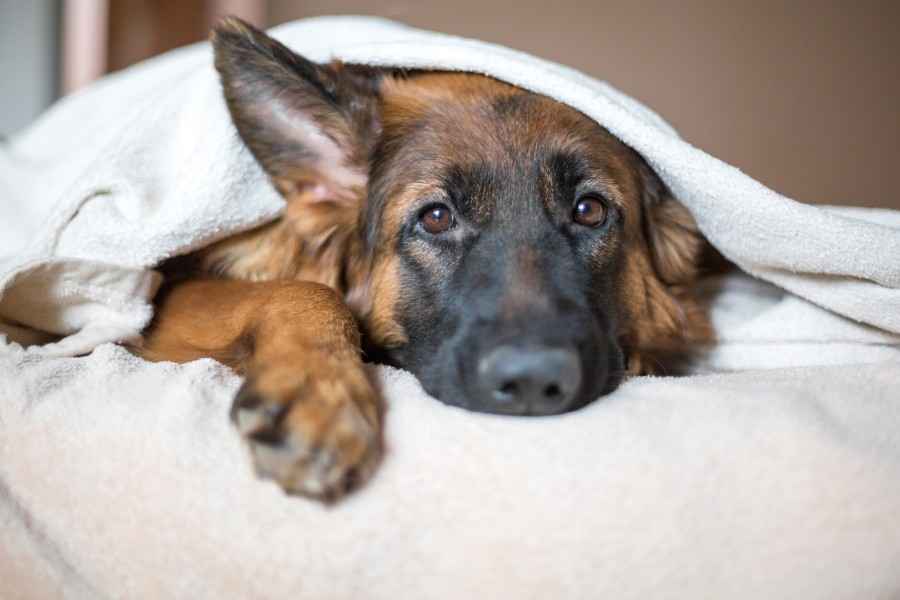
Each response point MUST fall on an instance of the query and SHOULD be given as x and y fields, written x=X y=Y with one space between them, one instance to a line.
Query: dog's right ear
x=310 y=126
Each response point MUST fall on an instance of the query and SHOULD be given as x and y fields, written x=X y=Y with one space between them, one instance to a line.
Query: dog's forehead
x=493 y=145
x=476 y=117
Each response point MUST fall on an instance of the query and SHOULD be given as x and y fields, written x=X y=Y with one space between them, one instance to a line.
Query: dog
x=509 y=251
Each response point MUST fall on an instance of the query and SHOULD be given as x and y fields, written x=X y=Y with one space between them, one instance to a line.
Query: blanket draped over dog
x=778 y=476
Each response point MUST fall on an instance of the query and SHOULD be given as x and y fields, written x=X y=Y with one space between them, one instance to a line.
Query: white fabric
x=120 y=478
x=125 y=479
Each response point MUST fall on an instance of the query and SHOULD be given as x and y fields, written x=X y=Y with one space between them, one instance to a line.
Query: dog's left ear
x=675 y=242
x=310 y=126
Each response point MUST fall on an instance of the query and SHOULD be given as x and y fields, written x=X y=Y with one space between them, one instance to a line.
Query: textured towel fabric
x=124 y=479
x=774 y=475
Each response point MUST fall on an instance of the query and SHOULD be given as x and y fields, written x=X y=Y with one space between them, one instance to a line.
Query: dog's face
x=502 y=216
x=506 y=249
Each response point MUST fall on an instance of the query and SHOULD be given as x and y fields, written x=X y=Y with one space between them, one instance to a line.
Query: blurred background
x=803 y=95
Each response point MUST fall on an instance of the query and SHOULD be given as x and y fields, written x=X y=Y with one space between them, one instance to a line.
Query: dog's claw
x=316 y=439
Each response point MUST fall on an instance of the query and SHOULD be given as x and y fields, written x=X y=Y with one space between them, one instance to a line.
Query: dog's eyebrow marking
x=566 y=175
x=607 y=186
x=467 y=189
x=399 y=205
x=566 y=168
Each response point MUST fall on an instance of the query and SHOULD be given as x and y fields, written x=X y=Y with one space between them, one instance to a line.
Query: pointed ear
x=310 y=126
x=676 y=244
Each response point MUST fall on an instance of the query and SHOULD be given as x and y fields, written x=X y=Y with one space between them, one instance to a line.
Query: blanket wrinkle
x=44 y=545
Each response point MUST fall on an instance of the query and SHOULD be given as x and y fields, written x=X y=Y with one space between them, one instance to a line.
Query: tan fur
x=313 y=241
x=380 y=320
x=298 y=346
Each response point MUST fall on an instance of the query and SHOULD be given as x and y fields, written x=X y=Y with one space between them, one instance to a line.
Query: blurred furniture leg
x=84 y=47
x=100 y=36
x=252 y=11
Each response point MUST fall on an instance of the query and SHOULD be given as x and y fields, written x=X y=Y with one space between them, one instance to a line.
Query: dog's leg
x=307 y=409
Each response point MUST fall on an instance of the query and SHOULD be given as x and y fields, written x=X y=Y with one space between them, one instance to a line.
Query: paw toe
x=312 y=448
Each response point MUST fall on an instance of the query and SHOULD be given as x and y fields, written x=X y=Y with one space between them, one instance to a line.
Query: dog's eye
x=436 y=219
x=590 y=212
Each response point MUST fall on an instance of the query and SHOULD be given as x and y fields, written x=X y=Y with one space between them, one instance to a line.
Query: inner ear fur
x=312 y=128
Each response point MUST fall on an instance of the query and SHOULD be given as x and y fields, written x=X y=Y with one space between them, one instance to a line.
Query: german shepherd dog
x=503 y=247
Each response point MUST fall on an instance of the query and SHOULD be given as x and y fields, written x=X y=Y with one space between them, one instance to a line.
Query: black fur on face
x=515 y=251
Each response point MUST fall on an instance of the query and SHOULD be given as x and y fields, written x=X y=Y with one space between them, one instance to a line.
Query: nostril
x=506 y=393
x=552 y=391
x=510 y=388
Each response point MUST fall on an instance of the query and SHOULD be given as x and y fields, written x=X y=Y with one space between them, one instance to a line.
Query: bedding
x=772 y=471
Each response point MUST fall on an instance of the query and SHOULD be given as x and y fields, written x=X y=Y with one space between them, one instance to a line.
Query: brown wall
x=802 y=95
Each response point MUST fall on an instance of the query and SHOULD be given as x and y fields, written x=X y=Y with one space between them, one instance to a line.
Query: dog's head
x=505 y=248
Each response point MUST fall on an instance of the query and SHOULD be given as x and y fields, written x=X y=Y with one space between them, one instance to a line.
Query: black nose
x=532 y=381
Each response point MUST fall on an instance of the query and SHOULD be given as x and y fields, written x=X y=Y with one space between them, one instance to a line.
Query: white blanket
x=120 y=478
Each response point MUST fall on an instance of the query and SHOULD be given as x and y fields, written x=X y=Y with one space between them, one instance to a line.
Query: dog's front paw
x=314 y=431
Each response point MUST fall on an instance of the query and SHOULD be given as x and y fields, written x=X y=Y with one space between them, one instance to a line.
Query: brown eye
x=590 y=212
x=436 y=219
